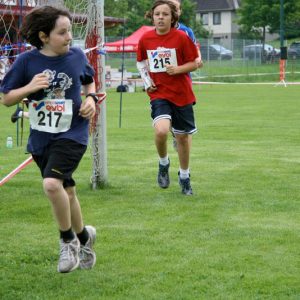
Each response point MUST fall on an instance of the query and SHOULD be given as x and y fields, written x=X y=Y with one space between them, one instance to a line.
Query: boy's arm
x=38 y=82
x=89 y=88
x=144 y=72
x=14 y=96
x=88 y=107
x=199 y=60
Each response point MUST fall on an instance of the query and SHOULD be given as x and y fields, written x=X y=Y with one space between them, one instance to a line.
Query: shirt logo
x=38 y=106
x=154 y=54
x=58 y=106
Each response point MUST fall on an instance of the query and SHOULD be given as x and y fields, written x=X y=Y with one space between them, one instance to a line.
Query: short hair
x=175 y=16
x=41 y=19
x=179 y=1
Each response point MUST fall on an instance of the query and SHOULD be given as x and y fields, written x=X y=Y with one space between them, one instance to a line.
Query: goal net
x=88 y=33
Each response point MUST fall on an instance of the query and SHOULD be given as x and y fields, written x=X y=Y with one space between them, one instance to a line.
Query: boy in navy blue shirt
x=50 y=77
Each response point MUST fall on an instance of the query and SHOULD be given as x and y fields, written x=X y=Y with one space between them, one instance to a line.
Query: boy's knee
x=161 y=131
x=51 y=185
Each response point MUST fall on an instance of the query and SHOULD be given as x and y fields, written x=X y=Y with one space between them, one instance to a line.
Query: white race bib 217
x=158 y=59
x=51 y=115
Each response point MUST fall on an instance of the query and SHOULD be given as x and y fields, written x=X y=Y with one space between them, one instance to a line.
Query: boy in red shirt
x=165 y=56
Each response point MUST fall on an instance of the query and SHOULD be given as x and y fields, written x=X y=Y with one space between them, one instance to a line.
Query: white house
x=219 y=18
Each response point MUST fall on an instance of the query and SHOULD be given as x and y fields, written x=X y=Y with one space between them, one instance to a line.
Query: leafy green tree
x=256 y=16
x=292 y=24
x=133 y=11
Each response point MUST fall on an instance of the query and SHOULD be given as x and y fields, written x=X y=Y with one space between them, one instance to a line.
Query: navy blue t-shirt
x=67 y=73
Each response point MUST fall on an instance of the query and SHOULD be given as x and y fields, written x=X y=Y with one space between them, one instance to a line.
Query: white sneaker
x=68 y=258
x=87 y=255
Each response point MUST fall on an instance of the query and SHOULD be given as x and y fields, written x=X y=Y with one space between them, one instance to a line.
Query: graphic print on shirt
x=159 y=58
x=54 y=113
x=57 y=86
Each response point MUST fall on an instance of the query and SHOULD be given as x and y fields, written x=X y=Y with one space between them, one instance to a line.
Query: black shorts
x=60 y=159
x=181 y=117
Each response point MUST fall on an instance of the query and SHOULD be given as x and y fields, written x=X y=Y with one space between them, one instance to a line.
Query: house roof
x=217 y=5
x=13 y=11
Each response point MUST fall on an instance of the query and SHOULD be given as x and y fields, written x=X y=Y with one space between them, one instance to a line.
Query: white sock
x=20 y=114
x=164 y=160
x=184 y=174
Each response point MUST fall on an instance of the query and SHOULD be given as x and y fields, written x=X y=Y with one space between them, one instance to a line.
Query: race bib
x=51 y=115
x=158 y=59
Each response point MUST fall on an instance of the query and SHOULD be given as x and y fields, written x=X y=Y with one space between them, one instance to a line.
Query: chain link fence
x=233 y=60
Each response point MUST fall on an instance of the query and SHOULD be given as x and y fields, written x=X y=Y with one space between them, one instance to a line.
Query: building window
x=217 y=40
x=217 y=18
x=204 y=18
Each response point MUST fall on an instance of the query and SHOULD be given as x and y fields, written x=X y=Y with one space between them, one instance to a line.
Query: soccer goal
x=88 y=33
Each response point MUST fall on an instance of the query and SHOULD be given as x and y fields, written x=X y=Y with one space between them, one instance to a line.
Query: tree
x=256 y=16
x=292 y=25
x=133 y=11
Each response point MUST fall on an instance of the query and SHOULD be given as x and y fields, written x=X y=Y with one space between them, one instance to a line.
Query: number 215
x=160 y=63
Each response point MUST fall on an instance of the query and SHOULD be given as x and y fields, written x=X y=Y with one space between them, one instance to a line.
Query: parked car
x=215 y=51
x=294 y=50
x=256 y=51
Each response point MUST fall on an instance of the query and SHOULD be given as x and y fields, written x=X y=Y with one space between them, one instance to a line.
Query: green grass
x=236 y=238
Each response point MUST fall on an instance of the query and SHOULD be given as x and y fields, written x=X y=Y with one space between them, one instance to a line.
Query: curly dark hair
x=41 y=19
x=175 y=16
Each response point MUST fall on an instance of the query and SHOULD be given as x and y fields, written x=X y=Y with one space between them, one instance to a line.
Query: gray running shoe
x=163 y=176
x=68 y=258
x=185 y=185
x=87 y=255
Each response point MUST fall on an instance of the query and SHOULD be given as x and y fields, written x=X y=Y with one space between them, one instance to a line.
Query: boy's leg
x=183 y=127
x=85 y=234
x=161 y=112
x=75 y=209
x=183 y=147
x=59 y=199
x=69 y=244
x=57 y=163
x=161 y=129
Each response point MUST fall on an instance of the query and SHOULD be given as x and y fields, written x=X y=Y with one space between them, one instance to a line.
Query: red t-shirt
x=175 y=88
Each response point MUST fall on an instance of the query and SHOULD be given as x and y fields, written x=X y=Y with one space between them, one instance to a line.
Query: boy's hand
x=171 y=70
x=88 y=108
x=199 y=62
x=38 y=82
x=152 y=89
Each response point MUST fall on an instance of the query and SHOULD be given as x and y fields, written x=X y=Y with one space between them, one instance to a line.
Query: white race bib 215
x=51 y=115
x=158 y=59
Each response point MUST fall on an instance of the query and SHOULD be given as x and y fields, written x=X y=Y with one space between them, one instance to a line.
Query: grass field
x=238 y=237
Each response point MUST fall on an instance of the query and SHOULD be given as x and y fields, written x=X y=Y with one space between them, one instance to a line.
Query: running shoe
x=87 y=255
x=68 y=258
x=185 y=185
x=163 y=178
